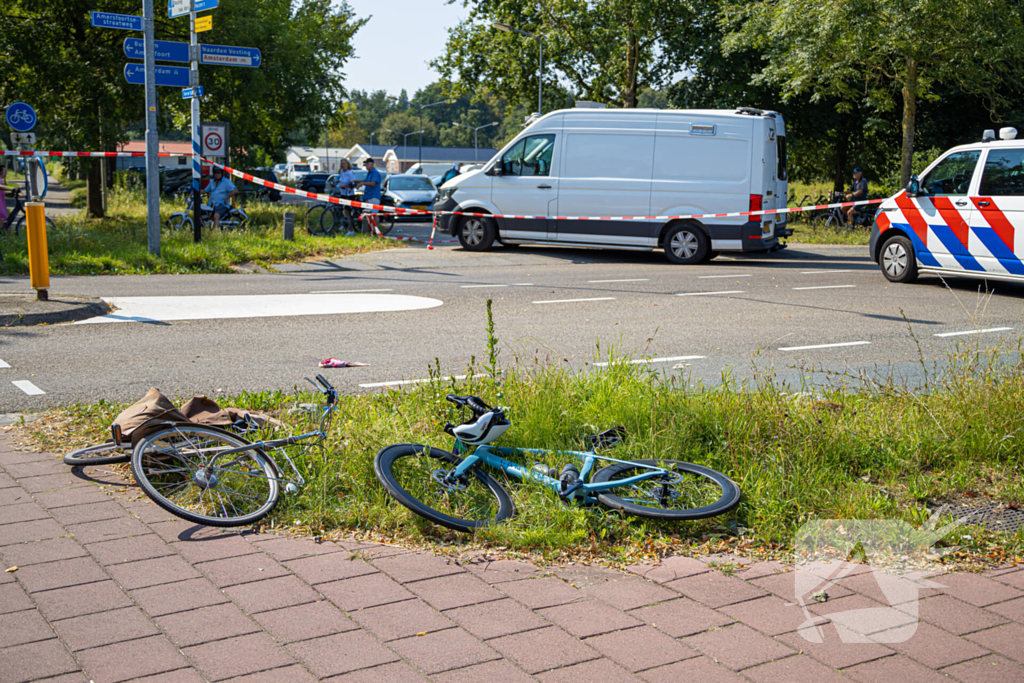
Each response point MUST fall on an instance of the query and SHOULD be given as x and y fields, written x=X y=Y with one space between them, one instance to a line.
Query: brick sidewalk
x=110 y=589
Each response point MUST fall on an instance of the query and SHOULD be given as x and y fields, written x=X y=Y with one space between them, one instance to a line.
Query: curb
x=77 y=308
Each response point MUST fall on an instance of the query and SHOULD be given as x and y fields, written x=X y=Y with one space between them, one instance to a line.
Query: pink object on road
x=335 y=363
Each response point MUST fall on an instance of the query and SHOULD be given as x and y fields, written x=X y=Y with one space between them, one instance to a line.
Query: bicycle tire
x=20 y=224
x=99 y=454
x=175 y=444
x=330 y=220
x=727 y=500
x=385 y=222
x=314 y=215
x=384 y=465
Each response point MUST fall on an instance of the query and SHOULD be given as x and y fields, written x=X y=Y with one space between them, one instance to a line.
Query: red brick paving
x=112 y=588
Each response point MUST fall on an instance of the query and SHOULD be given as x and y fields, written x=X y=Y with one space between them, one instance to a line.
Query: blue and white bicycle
x=455 y=489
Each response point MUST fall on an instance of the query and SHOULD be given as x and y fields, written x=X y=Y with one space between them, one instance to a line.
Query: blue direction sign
x=178 y=8
x=163 y=51
x=21 y=117
x=165 y=75
x=186 y=93
x=227 y=55
x=126 y=22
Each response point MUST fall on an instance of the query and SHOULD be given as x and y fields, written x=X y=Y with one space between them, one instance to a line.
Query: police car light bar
x=1008 y=133
x=988 y=136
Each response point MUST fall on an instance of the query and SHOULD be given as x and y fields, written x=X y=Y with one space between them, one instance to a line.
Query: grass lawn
x=117 y=244
x=881 y=451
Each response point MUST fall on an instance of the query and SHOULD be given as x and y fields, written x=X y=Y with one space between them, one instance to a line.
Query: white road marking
x=167 y=308
x=350 y=291
x=985 y=331
x=399 y=382
x=3 y=364
x=637 y=279
x=822 y=272
x=570 y=301
x=731 y=291
x=28 y=387
x=643 y=361
x=518 y=284
x=827 y=287
x=822 y=346
x=712 y=277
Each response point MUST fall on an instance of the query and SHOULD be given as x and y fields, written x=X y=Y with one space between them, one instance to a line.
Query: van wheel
x=897 y=260
x=686 y=244
x=476 y=233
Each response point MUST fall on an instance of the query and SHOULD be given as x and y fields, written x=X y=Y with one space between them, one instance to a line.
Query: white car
x=294 y=172
x=623 y=163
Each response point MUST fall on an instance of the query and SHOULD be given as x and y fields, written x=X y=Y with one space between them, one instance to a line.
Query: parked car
x=280 y=170
x=668 y=163
x=410 y=192
x=312 y=182
x=359 y=175
x=958 y=218
x=428 y=168
x=295 y=171
x=260 y=192
x=176 y=179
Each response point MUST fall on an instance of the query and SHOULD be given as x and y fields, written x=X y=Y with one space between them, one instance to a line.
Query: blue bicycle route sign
x=21 y=117
x=126 y=22
x=220 y=55
x=177 y=76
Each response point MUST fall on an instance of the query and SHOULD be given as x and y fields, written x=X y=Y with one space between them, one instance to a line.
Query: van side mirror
x=913 y=187
x=497 y=169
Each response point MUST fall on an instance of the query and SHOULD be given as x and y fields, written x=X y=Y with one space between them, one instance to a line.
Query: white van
x=629 y=162
x=296 y=171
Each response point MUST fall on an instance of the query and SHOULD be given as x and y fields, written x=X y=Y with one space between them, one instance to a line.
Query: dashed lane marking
x=713 y=277
x=518 y=284
x=400 y=382
x=3 y=364
x=570 y=301
x=827 y=287
x=823 y=346
x=636 y=279
x=644 y=361
x=350 y=291
x=731 y=291
x=28 y=387
x=985 y=331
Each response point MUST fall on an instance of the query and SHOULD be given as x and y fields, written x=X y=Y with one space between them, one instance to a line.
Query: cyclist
x=371 y=189
x=221 y=190
x=857 y=192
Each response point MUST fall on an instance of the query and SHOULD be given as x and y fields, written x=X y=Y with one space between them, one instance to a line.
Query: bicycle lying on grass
x=459 y=493
x=208 y=475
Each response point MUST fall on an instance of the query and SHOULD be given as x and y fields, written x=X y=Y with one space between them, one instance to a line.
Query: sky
x=393 y=48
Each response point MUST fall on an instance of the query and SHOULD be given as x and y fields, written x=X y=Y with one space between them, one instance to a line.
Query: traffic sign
x=178 y=8
x=186 y=93
x=215 y=139
x=125 y=22
x=164 y=50
x=177 y=76
x=23 y=138
x=204 y=23
x=21 y=117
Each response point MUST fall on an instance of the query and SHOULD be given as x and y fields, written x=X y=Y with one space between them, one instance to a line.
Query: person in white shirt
x=344 y=187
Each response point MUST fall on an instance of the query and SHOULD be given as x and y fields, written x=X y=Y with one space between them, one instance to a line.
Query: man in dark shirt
x=858 y=192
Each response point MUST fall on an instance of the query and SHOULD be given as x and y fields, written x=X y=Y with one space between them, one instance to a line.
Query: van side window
x=531 y=156
x=1004 y=173
x=952 y=176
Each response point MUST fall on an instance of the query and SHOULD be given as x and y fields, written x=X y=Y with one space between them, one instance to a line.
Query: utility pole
x=152 y=134
x=197 y=168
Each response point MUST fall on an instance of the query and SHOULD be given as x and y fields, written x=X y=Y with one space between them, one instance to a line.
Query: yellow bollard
x=38 y=256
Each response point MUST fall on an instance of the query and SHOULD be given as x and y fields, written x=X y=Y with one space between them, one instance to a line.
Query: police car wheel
x=686 y=244
x=476 y=233
x=897 y=260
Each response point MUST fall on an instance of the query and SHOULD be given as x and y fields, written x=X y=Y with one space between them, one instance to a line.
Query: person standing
x=371 y=192
x=221 y=190
x=3 y=196
x=450 y=173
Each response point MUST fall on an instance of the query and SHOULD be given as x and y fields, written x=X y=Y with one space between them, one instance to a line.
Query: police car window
x=1004 y=173
x=952 y=176
x=530 y=156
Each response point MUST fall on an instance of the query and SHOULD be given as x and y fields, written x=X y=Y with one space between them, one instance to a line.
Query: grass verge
x=881 y=452
x=117 y=244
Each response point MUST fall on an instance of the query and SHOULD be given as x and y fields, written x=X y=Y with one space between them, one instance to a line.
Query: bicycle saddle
x=487 y=424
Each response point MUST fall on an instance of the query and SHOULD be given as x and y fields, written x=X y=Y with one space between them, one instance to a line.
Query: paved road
x=733 y=315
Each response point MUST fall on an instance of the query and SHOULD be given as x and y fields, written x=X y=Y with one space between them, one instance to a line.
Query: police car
x=963 y=217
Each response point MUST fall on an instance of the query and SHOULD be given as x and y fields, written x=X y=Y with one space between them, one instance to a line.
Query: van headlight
x=447 y=193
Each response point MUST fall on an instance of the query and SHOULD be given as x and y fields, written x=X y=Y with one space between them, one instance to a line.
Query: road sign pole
x=197 y=169
x=152 y=134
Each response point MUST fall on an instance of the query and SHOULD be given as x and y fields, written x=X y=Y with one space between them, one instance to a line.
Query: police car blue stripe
x=995 y=244
x=924 y=257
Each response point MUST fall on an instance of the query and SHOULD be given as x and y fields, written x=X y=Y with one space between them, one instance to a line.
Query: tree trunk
x=629 y=90
x=842 y=153
x=909 y=121
x=94 y=190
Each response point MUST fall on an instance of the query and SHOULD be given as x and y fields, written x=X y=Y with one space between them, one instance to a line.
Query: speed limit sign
x=215 y=139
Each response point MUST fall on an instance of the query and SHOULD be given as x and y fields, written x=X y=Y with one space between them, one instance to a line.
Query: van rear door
x=769 y=179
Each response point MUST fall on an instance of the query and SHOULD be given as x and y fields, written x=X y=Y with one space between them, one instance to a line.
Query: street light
x=540 y=68
x=405 y=138
x=421 y=108
x=476 y=151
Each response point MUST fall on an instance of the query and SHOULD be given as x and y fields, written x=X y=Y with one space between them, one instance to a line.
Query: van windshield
x=301 y=167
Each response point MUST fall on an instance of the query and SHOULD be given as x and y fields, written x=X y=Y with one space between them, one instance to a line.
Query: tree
x=603 y=50
x=881 y=53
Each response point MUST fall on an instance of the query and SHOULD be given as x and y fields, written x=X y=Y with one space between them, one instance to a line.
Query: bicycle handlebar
x=472 y=402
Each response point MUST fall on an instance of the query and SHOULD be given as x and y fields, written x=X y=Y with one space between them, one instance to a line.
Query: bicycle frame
x=492 y=457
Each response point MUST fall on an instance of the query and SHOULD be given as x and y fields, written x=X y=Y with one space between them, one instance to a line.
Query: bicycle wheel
x=330 y=221
x=684 y=491
x=20 y=225
x=181 y=470
x=413 y=473
x=314 y=217
x=102 y=454
x=385 y=221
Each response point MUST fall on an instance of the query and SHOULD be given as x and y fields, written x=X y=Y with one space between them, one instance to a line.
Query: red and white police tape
x=18 y=153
